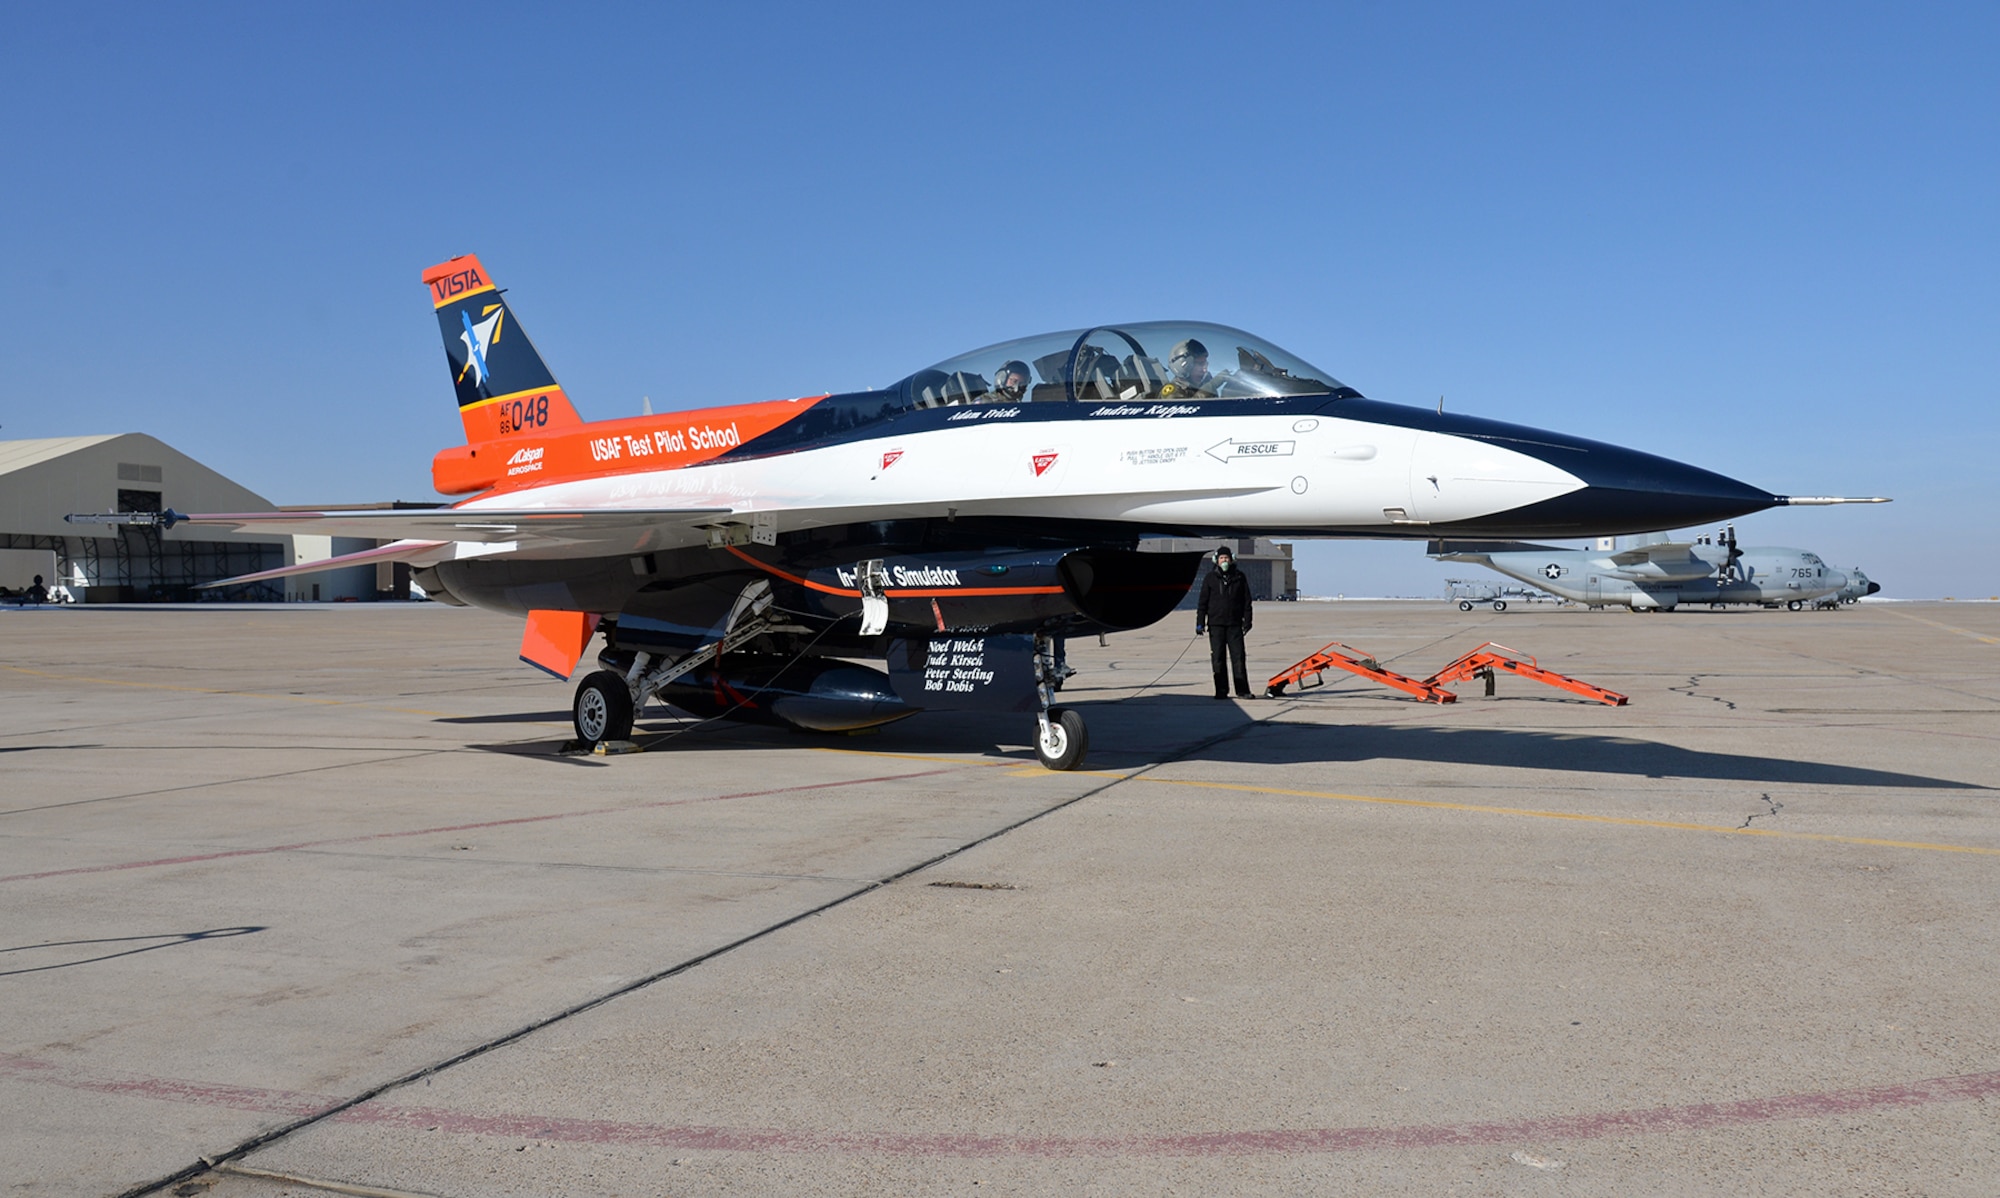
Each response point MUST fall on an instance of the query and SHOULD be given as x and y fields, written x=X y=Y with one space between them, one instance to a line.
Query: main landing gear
x=603 y=708
x=1061 y=740
x=606 y=701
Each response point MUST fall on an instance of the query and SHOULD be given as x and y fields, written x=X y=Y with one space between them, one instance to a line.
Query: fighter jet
x=1659 y=575
x=743 y=561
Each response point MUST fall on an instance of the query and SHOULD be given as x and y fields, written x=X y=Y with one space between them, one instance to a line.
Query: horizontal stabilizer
x=422 y=552
x=491 y=525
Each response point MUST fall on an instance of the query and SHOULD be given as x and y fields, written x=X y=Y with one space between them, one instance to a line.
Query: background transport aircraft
x=1661 y=574
x=1859 y=586
x=735 y=560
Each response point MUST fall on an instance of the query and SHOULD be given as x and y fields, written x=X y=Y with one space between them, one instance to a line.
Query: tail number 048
x=524 y=413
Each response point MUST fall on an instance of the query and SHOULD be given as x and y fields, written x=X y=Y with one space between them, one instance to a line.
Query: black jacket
x=1225 y=599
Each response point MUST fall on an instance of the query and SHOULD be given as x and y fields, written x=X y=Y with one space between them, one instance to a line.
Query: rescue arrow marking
x=1222 y=451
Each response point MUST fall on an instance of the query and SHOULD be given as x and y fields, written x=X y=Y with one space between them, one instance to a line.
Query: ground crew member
x=1223 y=611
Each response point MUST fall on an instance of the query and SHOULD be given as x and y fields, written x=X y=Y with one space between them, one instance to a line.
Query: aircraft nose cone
x=1837 y=580
x=1641 y=492
x=1624 y=491
x=1873 y=587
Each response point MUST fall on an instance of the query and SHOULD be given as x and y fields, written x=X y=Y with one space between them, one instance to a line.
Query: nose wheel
x=1061 y=740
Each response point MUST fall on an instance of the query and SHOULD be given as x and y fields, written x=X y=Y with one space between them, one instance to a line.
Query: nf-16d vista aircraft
x=737 y=561
x=1662 y=574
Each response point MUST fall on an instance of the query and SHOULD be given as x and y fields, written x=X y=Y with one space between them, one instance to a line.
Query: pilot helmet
x=1012 y=366
x=1178 y=357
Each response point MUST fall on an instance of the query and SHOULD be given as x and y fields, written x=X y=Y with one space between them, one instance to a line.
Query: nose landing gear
x=1061 y=740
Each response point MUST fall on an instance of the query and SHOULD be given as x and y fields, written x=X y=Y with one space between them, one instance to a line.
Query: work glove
x=1246 y=628
x=1199 y=628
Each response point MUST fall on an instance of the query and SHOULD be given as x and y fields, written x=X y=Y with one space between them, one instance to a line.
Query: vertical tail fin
x=503 y=385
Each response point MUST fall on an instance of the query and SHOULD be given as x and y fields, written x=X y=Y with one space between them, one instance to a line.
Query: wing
x=541 y=527
x=1672 y=561
x=1660 y=555
x=427 y=536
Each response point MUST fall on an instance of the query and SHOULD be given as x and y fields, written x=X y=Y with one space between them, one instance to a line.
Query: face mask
x=1224 y=564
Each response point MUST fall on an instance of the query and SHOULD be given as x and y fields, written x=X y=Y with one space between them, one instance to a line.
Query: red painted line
x=494 y=823
x=1707 y=1116
x=788 y=577
x=235 y=1098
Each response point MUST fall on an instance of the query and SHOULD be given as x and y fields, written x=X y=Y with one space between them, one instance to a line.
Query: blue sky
x=1758 y=238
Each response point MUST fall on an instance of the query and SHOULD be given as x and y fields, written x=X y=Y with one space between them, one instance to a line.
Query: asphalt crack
x=1771 y=809
x=1693 y=684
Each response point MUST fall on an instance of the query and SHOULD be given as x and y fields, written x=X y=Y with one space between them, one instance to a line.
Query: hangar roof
x=18 y=455
x=42 y=480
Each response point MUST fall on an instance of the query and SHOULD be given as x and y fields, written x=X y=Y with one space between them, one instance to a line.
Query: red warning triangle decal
x=1042 y=463
x=889 y=458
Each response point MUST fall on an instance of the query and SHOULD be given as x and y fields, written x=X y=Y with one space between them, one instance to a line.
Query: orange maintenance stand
x=1484 y=662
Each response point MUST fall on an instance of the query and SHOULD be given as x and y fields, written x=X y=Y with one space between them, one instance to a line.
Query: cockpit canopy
x=1153 y=360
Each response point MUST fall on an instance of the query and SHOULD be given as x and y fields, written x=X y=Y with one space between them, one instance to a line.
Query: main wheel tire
x=1465 y=605
x=1794 y=605
x=1499 y=605
x=603 y=708
x=1061 y=743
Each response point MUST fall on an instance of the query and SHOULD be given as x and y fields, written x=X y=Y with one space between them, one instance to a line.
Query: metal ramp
x=1484 y=662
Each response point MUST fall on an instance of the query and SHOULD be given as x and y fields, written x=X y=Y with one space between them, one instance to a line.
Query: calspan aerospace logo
x=525 y=461
x=1042 y=462
x=479 y=338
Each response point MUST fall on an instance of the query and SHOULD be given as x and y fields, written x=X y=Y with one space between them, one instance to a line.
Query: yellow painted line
x=1036 y=771
x=1624 y=821
x=212 y=690
x=910 y=756
x=1977 y=636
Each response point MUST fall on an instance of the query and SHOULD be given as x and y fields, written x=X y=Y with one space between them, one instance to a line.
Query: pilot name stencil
x=957 y=666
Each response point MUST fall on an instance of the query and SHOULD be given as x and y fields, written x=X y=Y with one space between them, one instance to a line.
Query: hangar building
x=42 y=480
x=1267 y=564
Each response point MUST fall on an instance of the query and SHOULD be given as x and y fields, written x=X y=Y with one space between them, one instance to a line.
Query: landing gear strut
x=1061 y=740
x=607 y=700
